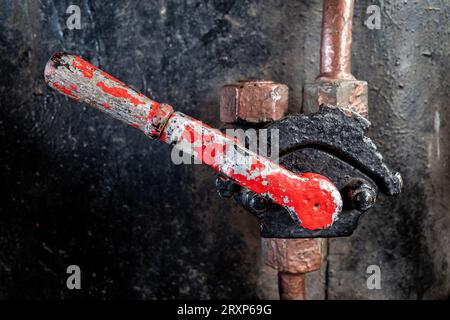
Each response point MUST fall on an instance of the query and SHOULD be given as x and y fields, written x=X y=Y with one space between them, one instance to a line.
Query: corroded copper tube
x=335 y=50
x=291 y=286
x=293 y=258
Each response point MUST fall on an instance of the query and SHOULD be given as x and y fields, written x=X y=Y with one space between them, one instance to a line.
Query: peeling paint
x=311 y=199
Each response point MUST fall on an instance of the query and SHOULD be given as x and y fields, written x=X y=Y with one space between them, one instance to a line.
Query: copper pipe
x=291 y=286
x=335 y=50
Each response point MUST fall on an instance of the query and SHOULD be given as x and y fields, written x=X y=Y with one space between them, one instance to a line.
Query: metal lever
x=312 y=201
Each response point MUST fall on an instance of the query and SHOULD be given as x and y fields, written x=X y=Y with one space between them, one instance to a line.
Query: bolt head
x=361 y=196
x=253 y=102
x=364 y=199
x=225 y=187
x=251 y=201
x=258 y=204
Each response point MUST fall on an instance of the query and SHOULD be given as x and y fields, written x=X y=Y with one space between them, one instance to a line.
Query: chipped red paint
x=311 y=199
x=163 y=136
x=314 y=207
x=86 y=68
x=157 y=118
x=119 y=92
x=68 y=91
x=107 y=76
x=104 y=105
x=153 y=112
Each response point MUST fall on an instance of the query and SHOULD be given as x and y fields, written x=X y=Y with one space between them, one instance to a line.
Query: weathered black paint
x=79 y=185
x=342 y=135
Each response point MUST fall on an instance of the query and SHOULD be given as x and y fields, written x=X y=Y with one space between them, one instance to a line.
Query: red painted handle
x=81 y=81
x=311 y=199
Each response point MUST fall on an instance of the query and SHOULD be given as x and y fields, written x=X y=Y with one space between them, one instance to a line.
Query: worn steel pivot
x=310 y=200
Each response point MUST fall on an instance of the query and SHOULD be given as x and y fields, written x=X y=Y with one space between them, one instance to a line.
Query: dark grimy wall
x=81 y=188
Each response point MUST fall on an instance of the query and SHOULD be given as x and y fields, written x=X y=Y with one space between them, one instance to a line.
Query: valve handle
x=311 y=199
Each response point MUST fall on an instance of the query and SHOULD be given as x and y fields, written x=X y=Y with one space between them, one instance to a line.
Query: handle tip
x=53 y=63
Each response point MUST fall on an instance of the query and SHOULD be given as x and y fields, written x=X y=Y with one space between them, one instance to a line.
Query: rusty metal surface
x=335 y=48
x=291 y=286
x=293 y=255
x=350 y=95
x=253 y=101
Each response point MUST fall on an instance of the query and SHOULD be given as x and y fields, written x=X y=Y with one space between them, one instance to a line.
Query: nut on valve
x=252 y=101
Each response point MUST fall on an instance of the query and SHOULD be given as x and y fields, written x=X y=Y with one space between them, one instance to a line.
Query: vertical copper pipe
x=291 y=286
x=335 y=50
